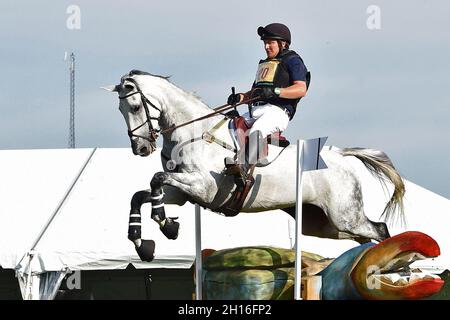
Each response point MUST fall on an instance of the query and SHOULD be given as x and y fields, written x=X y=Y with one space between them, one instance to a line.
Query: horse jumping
x=194 y=169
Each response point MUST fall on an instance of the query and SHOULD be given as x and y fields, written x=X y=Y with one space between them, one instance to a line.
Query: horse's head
x=141 y=112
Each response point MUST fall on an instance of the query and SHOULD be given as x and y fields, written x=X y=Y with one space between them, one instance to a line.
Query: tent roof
x=89 y=231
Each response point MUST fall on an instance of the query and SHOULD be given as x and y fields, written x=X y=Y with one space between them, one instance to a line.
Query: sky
x=380 y=69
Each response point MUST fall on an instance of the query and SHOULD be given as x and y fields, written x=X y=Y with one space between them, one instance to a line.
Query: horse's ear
x=112 y=88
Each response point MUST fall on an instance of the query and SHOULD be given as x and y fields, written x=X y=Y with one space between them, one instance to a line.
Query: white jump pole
x=198 y=254
x=298 y=222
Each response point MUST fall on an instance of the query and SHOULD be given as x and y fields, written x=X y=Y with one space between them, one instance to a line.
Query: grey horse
x=194 y=169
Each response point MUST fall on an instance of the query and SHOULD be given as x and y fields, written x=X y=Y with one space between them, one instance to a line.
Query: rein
x=217 y=110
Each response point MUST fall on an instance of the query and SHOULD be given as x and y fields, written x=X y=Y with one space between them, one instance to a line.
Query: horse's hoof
x=146 y=250
x=170 y=229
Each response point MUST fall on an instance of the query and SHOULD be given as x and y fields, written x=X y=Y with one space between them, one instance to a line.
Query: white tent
x=65 y=210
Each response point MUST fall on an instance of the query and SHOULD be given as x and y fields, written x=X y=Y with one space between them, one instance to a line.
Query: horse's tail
x=379 y=164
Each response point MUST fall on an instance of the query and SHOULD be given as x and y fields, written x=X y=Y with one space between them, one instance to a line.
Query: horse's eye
x=136 y=108
x=129 y=87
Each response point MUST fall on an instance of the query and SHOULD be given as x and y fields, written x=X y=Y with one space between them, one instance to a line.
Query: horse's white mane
x=144 y=73
x=195 y=97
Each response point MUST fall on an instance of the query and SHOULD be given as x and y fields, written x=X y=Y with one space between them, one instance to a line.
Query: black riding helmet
x=277 y=31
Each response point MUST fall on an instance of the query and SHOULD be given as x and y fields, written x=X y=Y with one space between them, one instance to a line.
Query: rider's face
x=272 y=48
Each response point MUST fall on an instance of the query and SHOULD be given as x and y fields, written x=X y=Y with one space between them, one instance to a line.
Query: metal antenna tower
x=72 y=101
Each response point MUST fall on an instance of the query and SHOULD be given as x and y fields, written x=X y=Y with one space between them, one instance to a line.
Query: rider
x=281 y=81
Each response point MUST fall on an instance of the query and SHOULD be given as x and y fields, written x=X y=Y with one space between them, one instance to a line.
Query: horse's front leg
x=144 y=248
x=166 y=188
x=193 y=185
x=169 y=227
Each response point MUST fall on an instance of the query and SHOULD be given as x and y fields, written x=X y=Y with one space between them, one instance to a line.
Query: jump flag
x=310 y=157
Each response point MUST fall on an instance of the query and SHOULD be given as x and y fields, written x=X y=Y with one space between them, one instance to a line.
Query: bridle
x=145 y=102
x=155 y=132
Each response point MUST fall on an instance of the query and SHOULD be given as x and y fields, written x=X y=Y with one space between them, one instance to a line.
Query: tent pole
x=63 y=200
x=28 y=285
x=55 y=212
x=298 y=223
x=198 y=254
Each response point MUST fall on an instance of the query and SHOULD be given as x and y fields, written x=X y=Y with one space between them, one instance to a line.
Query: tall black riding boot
x=253 y=153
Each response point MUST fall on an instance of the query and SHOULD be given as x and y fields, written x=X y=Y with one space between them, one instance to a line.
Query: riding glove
x=264 y=93
x=234 y=98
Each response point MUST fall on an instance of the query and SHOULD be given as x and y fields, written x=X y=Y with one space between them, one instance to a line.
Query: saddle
x=239 y=127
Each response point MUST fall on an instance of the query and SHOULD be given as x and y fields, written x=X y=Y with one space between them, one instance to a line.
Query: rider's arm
x=246 y=95
x=297 y=73
x=296 y=90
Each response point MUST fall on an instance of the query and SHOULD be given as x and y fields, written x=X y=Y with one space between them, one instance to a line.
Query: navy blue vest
x=274 y=73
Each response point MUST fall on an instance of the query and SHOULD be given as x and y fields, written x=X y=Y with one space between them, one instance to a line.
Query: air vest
x=274 y=73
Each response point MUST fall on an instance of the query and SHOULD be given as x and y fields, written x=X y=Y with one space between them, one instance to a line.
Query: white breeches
x=267 y=118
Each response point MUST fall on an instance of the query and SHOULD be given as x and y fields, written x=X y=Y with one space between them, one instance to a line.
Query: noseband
x=145 y=102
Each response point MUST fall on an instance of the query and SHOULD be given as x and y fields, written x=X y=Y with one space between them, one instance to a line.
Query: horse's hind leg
x=348 y=217
x=315 y=223
x=378 y=229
